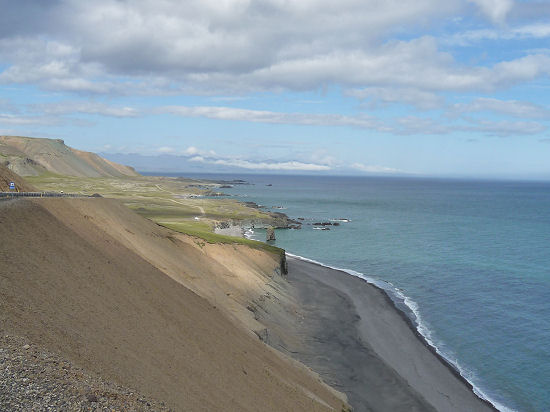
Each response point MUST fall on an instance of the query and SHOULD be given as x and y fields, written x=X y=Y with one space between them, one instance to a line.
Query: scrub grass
x=203 y=231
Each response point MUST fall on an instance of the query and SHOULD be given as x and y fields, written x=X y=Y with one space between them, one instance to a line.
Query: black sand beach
x=350 y=333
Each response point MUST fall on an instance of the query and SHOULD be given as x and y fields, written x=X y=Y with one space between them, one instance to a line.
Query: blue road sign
x=12 y=186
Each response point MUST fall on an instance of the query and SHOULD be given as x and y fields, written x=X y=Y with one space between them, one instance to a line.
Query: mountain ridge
x=32 y=156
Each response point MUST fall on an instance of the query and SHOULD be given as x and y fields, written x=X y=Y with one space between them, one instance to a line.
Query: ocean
x=469 y=261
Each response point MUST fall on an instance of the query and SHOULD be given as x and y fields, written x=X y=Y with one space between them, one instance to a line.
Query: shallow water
x=472 y=259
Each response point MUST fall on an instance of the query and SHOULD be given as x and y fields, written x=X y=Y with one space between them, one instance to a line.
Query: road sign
x=12 y=186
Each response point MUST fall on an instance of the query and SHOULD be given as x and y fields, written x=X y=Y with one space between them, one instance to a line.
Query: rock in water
x=270 y=234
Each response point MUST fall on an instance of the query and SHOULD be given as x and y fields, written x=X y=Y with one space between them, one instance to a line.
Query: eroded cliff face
x=147 y=308
x=231 y=275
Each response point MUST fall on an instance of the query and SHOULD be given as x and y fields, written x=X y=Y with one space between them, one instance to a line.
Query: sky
x=455 y=88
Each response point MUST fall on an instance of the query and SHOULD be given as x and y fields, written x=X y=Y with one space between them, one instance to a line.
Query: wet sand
x=349 y=332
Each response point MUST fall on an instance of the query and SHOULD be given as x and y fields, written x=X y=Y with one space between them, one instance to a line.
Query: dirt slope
x=79 y=291
x=7 y=176
x=32 y=156
x=228 y=274
x=103 y=166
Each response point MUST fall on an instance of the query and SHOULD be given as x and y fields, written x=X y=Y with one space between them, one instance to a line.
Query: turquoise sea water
x=471 y=258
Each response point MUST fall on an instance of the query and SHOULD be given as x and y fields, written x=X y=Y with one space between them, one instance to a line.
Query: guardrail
x=9 y=195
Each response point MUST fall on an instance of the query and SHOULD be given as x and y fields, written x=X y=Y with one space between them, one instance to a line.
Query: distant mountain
x=167 y=163
x=173 y=163
x=29 y=156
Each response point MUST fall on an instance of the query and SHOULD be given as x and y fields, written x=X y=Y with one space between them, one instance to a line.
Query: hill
x=7 y=176
x=144 y=307
x=28 y=156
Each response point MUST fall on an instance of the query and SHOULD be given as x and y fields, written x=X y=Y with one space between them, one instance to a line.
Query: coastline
x=383 y=287
x=351 y=332
x=143 y=307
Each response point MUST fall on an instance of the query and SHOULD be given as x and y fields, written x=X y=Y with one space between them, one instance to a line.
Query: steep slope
x=103 y=166
x=29 y=156
x=68 y=284
x=7 y=176
x=230 y=275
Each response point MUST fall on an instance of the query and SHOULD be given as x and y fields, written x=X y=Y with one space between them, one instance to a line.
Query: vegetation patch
x=175 y=203
x=201 y=231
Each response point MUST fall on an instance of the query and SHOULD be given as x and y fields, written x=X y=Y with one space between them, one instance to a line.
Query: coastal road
x=13 y=195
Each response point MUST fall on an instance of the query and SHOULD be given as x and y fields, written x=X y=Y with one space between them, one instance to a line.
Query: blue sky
x=458 y=88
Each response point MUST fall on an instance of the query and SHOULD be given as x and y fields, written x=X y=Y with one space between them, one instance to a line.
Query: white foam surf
x=395 y=293
x=249 y=233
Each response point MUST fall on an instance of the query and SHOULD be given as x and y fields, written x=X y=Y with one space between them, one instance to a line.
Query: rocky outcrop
x=270 y=234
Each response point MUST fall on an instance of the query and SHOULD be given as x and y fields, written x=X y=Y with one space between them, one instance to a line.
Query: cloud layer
x=388 y=73
x=240 y=46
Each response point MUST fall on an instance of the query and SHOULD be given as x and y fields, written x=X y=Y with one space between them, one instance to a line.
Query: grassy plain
x=184 y=205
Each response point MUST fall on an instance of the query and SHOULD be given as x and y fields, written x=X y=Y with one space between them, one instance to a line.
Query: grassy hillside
x=176 y=203
x=204 y=231
x=172 y=202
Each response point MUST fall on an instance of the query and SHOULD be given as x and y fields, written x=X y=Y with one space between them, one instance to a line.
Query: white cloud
x=202 y=36
x=83 y=46
x=394 y=64
x=496 y=10
x=264 y=165
x=505 y=128
x=53 y=64
x=191 y=150
x=509 y=107
x=531 y=31
x=148 y=47
x=421 y=99
x=405 y=125
x=166 y=149
x=420 y=126
x=86 y=108
x=6 y=118
x=374 y=168
x=237 y=47
x=320 y=163
x=265 y=116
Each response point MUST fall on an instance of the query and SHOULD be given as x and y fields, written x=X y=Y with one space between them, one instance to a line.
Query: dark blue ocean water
x=472 y=258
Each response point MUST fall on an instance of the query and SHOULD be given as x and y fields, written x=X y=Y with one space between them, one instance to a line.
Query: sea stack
x=270 y=234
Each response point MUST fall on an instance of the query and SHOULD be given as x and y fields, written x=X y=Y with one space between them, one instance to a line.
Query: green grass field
x=171 y=202
x=204 y=231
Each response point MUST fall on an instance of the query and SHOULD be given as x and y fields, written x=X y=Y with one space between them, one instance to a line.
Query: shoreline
x=411 y=323
x=353 y=335
x=393 y=299
x=407 y=319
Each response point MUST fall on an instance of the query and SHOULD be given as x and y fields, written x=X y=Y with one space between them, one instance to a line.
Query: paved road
x=11 y=195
